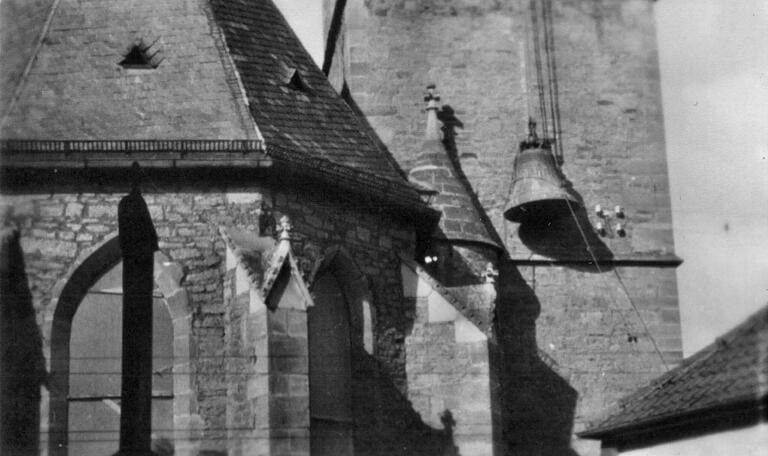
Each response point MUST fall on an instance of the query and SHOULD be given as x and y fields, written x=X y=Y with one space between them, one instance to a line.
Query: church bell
x=539 y=190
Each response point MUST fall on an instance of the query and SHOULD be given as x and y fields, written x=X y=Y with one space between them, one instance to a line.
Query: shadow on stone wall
x=537 y=404
x=387 y=424
x=451 y=269
x=22 y=366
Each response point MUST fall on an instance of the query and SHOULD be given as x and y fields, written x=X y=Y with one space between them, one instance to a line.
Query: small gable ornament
x=285 y=228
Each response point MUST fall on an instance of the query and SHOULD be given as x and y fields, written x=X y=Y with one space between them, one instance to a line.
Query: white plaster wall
x=752 y=441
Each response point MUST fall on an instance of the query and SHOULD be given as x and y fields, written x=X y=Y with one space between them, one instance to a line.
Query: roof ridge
x=346 y=95
x=30 y=62
x=228 y=66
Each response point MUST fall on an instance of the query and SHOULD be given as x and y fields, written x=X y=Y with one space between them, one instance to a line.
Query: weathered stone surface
x=613 y=142
x=417 y=362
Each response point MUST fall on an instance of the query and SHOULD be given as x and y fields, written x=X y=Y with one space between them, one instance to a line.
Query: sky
x=714 y=74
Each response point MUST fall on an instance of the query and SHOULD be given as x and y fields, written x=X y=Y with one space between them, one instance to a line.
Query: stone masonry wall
x=613 y=142
x=590 y=335
x=449 y=368
x=268 y=383
x=610 y=98
x=58 y=227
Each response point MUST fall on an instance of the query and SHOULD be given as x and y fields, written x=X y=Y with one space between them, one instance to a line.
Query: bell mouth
x=541 y=211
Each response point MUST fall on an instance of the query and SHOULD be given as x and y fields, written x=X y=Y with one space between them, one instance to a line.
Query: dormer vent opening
x=142 y=56
x=296 y=82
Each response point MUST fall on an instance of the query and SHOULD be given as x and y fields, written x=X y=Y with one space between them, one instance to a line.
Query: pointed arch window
x=95 y=354
x=86 y=358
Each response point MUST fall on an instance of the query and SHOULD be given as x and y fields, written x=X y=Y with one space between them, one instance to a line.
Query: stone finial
x=285 y=228
x=432 y=98
x=266 y=220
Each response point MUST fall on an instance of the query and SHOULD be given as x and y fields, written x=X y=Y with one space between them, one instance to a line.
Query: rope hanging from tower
x=540 y=48
x=537 y=187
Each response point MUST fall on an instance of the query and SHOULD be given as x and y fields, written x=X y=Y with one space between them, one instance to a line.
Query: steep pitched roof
x=731 y=372
x=21 y=24
x=290 y=99
x=247 y=77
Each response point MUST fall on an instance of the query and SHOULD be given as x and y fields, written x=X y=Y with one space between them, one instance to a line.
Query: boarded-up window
x=95 y=370
x=330 y=377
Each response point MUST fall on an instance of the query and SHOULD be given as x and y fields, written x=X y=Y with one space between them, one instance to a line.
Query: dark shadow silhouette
x=562 y=237
x=22 y=366
x=537 y=404
x=386 y=422
x=451 y=268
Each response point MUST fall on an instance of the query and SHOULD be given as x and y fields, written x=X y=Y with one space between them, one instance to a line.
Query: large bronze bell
x=539 y=192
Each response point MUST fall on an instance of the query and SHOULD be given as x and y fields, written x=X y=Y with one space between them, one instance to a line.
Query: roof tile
x=316 y=121
x=726 y=372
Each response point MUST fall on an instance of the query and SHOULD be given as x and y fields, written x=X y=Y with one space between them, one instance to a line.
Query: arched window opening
x=95 y=356
x=330 y=373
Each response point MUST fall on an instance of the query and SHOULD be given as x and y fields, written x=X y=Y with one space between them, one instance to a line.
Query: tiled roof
x=308 y=116
x=461 y=215
x=729 y=372
x=21 y=22
x=308 y=129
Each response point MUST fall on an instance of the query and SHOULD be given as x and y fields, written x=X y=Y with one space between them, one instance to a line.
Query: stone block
x=48 y=247
x=467 y=332
x=288 y=364
x=296 y=323
x=73 y=210
x=290 y=412
x=287 y=346
x=244 y=197
x=156 y=212
x=102 y=211
x=439 y=310
x=413 y=285
x=52 y=209
x=259 y=386
x=242 y=280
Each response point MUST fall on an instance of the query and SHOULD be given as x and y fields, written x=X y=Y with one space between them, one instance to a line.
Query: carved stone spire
x=434 y=169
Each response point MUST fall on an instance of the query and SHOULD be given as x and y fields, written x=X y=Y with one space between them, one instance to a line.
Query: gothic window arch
x=86 y=348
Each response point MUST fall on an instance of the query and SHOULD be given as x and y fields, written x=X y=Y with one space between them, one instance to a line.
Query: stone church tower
x=598 y=329
x=333 y=273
